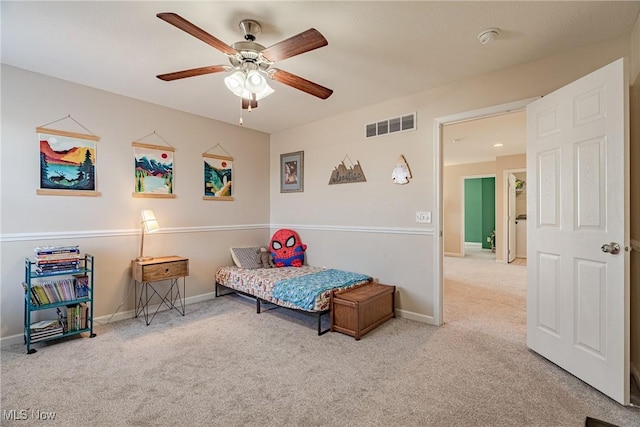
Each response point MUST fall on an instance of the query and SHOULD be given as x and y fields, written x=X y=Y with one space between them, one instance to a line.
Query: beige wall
x=108 y=226
x=452 y=197
x=359 y=215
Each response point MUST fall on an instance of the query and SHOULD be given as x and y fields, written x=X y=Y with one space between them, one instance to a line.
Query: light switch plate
x=424 y=217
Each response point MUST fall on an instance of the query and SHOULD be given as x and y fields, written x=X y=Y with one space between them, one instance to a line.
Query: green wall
x=473 y=210
x=479 y=210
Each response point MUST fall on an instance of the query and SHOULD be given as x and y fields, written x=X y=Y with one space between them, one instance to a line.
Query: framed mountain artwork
x=218 y=177
x=153 y=171
x=67 y=163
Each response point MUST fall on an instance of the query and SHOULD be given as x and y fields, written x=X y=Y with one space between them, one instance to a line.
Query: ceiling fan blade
x=301 y=43
x=192 y=72
x=186 y=26
x=299 y=83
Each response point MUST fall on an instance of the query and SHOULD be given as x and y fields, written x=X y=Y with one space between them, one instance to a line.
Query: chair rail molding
x=88 y=234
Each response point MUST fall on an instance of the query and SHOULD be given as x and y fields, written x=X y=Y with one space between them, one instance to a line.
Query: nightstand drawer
x=160 y=269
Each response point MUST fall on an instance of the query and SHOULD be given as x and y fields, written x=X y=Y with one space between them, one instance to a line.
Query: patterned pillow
x=245 y=257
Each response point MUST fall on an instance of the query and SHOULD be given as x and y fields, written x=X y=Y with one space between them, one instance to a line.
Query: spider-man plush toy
x=287 y=249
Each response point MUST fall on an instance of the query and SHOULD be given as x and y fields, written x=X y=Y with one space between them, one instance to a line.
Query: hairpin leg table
x=147 y=273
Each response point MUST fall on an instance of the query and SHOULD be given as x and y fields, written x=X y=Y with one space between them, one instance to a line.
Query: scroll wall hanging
x=153 y=170
x=67 y=162
x=218 y=176
x=343 y=174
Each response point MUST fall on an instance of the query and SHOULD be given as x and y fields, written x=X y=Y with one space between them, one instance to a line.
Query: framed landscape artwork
x=292 y=172
x=153 y=171
x=218 y=177
x=67 y=163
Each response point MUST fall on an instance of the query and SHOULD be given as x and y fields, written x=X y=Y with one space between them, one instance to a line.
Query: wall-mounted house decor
x=343 y=174
x=401 y=172
x=218 y=177
x=153 y=171
x=67 y=163
x=292 y=172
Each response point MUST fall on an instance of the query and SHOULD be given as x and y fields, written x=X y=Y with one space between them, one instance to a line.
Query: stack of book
x=45 y=329
x=74 y=318
x=57 y=259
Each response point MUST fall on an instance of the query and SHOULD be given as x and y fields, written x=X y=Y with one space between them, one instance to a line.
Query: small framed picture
x=292 y=172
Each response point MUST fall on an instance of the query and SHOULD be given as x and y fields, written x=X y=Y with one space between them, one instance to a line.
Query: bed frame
x=259 y=309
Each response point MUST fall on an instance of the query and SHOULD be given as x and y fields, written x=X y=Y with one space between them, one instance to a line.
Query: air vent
x=396 y=124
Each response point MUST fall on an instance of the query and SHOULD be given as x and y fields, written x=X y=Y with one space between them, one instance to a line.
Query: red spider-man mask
x=287 y=249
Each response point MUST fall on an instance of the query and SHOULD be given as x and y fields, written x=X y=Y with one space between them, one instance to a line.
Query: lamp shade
x=149 y=221
x=244 y=85
x=255 y=81
x=235 y=82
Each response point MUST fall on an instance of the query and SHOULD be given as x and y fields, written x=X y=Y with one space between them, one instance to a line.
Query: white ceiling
x=377 y=50
x=474 y=141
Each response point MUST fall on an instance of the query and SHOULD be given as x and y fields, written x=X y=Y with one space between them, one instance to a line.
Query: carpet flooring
x=224 y=365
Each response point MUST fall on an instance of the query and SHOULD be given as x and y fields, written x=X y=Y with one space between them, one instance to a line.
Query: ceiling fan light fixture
x=255 y=82
x=266 y=91
x=235 y=82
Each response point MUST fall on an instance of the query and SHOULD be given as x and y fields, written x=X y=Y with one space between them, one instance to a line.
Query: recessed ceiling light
x=498 y=145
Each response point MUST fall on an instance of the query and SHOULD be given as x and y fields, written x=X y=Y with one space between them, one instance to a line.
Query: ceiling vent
x=396 y=124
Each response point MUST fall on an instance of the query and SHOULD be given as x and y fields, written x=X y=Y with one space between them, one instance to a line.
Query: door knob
x=613 y=248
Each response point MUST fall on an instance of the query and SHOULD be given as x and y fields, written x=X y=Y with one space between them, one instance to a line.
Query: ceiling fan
x=251 y=62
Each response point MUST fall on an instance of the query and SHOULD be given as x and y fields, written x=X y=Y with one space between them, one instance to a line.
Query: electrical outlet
x=424 y=217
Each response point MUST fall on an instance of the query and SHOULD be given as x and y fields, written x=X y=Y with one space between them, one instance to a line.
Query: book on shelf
x=52 y=250
x=44 y=324
x=41 y=294
x=58 y=268
x=35 y=337
x=81 y=285
x=53 y=291
x=32 y=295
x=50 y=263
x=60 y=255
x=45 y=329
x=73 y=317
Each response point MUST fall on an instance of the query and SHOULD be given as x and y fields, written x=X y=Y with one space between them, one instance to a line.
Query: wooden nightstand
x=144 y=273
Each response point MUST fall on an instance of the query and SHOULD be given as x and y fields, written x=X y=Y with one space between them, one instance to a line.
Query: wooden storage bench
x=357 y=311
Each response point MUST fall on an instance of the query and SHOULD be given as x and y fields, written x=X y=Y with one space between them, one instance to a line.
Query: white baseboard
x=117 y=316
x=423 y=318
x=473 y=244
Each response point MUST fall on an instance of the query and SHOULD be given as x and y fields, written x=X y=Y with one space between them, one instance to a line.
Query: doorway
x=476 y=154
x=446 y=223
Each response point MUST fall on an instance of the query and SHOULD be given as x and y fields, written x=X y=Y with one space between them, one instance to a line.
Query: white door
x=511 y=218
x=578 y=194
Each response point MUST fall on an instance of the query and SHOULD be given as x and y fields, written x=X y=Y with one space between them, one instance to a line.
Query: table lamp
x=149 y=224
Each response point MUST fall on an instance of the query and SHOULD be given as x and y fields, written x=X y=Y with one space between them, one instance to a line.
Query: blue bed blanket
x=302 y=291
